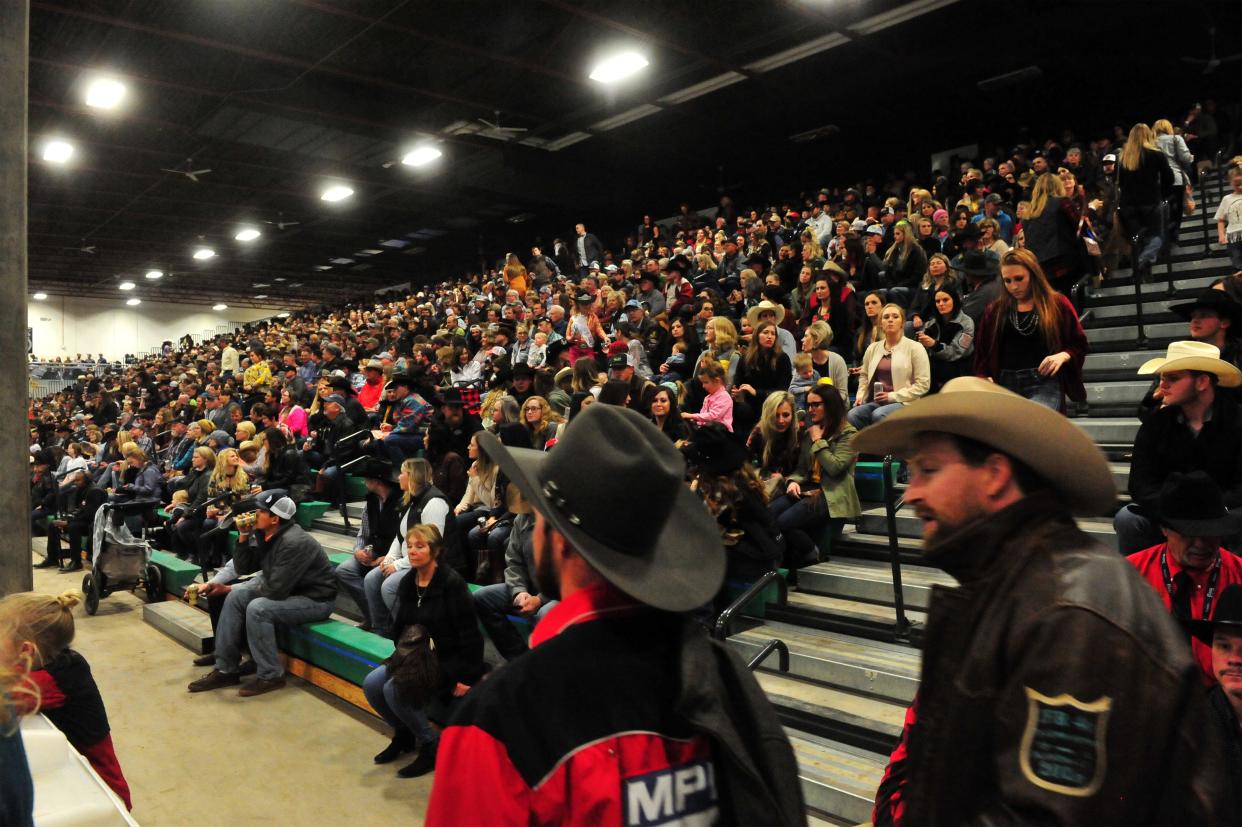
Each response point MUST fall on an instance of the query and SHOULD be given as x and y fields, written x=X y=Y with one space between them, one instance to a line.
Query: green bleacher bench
x=340 y=648
x=355 y=488
x=177 y=573
x=869 y=480
x=310 y=511
x=338 y=557
x=757 y=607
x=524 y=625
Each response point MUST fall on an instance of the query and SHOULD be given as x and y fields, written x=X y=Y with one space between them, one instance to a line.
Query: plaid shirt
x=411 y=415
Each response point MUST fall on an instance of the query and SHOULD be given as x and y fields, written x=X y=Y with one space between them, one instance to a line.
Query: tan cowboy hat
x=752 y=315
x=1195 y=356
x=1052 y=446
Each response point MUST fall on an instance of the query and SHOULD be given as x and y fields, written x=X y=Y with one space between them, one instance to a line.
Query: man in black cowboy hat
x=457 y=423
x=678 y=291
x=1191 y=568
x=980 y=287
x=1223 y=634
x=622 y=698
x=360 y=576
x=1213 y=318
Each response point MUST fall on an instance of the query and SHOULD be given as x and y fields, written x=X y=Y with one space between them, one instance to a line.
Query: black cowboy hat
x=758 y=258
x=374 y=468
x=1217 y=301
x=1228 y=612
x=713 y=450
x=679 y=263
x=976 y=263
x=1191 y=504
x=451 y=396
x=613 y=486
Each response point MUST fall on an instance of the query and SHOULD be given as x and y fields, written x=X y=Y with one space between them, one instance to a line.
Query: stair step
x=882 y=717
x=183 y=623
x=882 y=670
x=1125 y=334
x=871 y=580
x=837 y=780
x=1153 y=309
x=1120 y=360
x=1188 y=286
x=844 y=612
x=332 y=523
x=1116 y=393
x=333 y=540
x=1110 y=430
x=909 y=525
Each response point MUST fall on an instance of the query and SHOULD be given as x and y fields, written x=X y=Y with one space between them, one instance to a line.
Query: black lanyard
x=1209 y=596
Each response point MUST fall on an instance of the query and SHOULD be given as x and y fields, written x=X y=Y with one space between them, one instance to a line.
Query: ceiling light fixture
x=155 y=274
x=204 y=253
x=105 y=93
x=133 y=302
x=247 y=234
x=39 y=297
x=57 y=152
x=336 y=192
x=618 y=67
x=219 y=307
x=421 y=156
x=126 y=285
x=284 y=315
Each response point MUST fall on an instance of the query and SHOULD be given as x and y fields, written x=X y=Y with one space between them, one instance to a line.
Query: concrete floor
x=295 y=756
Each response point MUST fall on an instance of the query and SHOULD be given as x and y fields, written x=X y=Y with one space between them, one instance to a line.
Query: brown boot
x=215 y=679
x=261 y=686
x=208 y=659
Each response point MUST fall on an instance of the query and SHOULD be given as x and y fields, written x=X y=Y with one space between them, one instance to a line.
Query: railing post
x=1136 y=277
x=902 y=628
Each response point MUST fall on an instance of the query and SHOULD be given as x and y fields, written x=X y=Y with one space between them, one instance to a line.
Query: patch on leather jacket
x=1063 y=746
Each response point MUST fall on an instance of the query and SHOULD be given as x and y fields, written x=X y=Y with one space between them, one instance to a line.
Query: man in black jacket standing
x=587 y=249
x=296 y=587
x=1052 y=670
x=622 y=695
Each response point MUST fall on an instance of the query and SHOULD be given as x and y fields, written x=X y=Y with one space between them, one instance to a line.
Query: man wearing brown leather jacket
x=1055 y=688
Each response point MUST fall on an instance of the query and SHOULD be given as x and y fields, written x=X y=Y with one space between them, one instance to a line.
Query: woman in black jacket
x=438 y=599
x=1145 y=183
x=286 y=468
x=764 y=370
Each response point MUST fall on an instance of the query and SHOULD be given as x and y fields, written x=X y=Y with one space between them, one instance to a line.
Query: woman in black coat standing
x=438 y=599
x=1144 y=183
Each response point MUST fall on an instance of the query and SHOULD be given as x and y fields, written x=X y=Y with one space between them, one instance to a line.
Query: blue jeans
x=1046 y=390
x=351 y=575
x=399 y=447
x=245 y=610
x=870 y=413
x=493 y=604
x=1135 y=531
x=382 y=695
x=1235 y=255
x=381 y=593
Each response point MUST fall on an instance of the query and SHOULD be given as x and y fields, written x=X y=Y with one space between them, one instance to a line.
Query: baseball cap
x=618 y=362
x=875 y=229
x=633 y=304
x=993 y=198
x=276 y=501
x=1110 y=158
x=336 y=397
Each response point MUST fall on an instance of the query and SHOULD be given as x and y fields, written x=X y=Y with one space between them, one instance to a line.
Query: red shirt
x=1148 y=564
x=369 y=394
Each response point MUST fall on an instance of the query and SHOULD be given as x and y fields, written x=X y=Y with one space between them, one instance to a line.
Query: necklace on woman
x=420 y=590
x=1023 y=325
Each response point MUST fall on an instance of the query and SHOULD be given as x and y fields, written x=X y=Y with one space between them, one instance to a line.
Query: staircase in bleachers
x=849 y=680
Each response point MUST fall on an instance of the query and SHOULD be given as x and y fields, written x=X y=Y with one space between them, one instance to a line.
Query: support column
x=15 y=572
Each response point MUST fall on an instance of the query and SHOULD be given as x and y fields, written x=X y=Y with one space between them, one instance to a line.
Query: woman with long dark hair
x=820 y=493
x=1030 y=340
x=949 y=336
x=666 y=415
x=764 y=370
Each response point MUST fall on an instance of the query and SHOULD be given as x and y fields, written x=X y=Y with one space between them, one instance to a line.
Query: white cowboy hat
x=764 y=306
x=1052 y=446
x=1195 y=356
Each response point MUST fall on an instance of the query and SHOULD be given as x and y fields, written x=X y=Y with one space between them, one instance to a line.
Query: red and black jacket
x=70 y=699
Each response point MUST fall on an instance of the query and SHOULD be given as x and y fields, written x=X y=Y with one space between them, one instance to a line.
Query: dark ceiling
x=277 y=97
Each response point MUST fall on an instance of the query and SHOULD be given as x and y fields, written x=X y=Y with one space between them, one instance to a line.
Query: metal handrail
x=725 y=621
x=902 y=628
x=773 y=645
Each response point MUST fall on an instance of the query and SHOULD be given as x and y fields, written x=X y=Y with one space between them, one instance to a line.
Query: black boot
x=49 y=562
x=423 y=764
x=402 y=741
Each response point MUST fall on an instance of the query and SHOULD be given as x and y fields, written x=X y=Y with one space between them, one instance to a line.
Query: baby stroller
x=122 y=561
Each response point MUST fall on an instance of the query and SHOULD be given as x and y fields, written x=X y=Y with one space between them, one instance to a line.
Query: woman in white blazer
x=895 y=371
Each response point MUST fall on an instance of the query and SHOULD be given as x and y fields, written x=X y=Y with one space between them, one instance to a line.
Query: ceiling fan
x=189 y=171
x=493 y=129
x=1212 y=61
x=280 y=223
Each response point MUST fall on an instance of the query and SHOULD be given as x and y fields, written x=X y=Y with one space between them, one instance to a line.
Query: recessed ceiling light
x=57 y=152
x=618 y=67
x=155 y=274
x=421 y=156
x=337 y=192
x=133 y=302
x=219 y=307
x=284 y=315
x=261 y=296
x=126 y=285
x=104 y=93
x=247 y=234
x=279 y=278
x=39 y=296
x=204 y=253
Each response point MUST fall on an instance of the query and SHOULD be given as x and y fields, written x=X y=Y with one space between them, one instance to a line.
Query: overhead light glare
x=204 y=253
x=421 y=156
x=133 y=302
x=39 y=297
x=618 y=67
x=154 y=275
x=261 y=296
x=284 y=315
x=126 y=285
x=337 y=192
x=247 y=234
x=57 y=152
x=220 y=307
x=105 y=93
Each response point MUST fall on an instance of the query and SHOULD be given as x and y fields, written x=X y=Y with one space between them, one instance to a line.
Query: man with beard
x=1051 y=670
x=623 y=696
